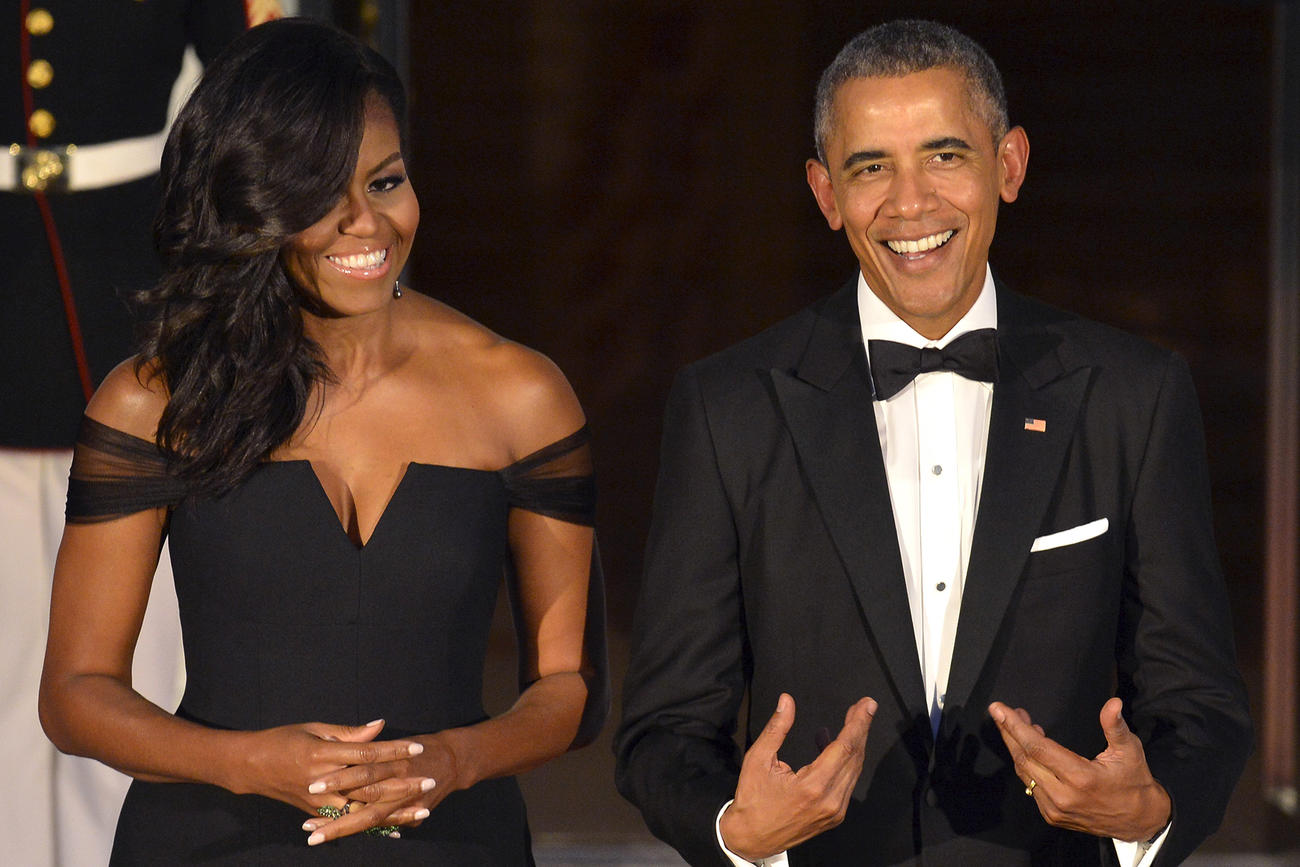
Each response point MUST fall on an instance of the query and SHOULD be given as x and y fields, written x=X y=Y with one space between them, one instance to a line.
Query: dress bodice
x=286 y=620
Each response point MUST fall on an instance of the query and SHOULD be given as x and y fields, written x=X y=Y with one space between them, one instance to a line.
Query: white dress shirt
x=933 y=438
x=933 y=435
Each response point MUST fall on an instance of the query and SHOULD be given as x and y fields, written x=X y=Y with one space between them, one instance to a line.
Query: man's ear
x=1013 y=160
x=819 y=181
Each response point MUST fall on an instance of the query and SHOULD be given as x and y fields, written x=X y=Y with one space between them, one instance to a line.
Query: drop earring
x=397 y=288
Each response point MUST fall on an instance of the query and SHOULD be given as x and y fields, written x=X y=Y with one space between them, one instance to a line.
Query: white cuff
x=1137 y=854
x=778 y=860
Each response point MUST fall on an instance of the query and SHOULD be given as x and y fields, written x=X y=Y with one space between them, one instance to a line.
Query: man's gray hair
x=900 y=48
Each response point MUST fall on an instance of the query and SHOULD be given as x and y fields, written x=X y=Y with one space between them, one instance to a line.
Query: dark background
x=620 y=184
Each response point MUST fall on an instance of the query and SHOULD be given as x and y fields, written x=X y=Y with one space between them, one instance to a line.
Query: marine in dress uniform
x=83 y=123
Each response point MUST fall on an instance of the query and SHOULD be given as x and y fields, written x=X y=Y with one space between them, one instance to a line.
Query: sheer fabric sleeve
x=556 y=481
x=116 y=474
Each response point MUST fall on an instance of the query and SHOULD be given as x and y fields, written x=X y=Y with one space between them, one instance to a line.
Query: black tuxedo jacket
x=773 y=565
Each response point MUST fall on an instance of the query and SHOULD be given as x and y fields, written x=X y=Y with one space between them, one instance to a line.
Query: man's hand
x=776 y=807
x=1113 y=795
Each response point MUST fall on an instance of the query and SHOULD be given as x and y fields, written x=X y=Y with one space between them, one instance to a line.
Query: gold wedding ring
x=1029 y=789
x=352 y=806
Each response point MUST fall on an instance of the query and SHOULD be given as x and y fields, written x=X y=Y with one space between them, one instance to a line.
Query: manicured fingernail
x=373 y=722
x=427 y=784
x=309 y=825
x=394 y=835
x=316 y=788
x=415 y=749
x=316 y=839
x=422 y=813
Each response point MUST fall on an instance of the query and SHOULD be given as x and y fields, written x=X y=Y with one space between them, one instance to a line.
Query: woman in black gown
x=345 y=471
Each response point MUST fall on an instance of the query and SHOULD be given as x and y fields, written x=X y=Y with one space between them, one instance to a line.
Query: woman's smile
x=364 y=266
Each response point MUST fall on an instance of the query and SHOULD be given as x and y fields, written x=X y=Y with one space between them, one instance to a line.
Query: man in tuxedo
x=966 y=531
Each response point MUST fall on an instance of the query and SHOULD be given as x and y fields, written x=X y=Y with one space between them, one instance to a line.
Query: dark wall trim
x=1282 y=506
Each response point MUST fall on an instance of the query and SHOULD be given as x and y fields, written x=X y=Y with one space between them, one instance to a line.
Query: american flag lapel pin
x=1037 y=425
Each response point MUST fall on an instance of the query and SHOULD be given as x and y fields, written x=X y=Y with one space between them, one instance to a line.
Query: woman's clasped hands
x=347 y=780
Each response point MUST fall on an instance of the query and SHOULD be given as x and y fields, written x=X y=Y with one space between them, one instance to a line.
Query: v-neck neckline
x=365 y=543
x=359 y=543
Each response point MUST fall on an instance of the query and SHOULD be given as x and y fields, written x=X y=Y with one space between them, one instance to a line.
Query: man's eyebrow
x=863 y=157
x=947 y=143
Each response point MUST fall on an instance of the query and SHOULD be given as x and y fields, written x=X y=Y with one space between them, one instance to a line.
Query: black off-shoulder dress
x=286 y=620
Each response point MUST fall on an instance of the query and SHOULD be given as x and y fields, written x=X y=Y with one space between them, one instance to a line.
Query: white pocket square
x=1072 y=536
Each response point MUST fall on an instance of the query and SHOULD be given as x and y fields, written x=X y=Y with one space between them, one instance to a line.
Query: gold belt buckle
x=42 y=170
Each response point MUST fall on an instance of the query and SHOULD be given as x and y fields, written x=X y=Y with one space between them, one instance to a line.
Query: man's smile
x=920 y=245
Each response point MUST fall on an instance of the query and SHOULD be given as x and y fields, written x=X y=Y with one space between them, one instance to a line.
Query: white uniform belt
x=69 y=168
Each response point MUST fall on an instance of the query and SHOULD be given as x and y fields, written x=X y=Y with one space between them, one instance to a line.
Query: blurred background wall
x=619 y=183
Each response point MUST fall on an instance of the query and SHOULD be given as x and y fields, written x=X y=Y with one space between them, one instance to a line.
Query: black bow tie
x=974 y=355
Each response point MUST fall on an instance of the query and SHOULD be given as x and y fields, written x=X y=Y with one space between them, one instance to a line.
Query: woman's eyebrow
x=387 y=161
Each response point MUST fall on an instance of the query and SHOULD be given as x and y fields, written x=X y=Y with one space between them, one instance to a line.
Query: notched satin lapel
x=827 y=408
x=1020 y=472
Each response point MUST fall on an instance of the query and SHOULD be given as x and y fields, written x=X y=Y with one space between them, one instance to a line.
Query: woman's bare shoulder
x=440 y=324
x=532 y=398
x=130 y=399
x=527 y=397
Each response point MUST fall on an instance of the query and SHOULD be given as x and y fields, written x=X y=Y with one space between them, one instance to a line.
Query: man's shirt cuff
x=778 y=860
x=1138 y=854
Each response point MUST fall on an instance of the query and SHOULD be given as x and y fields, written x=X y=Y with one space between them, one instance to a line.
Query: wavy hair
x=264 y=147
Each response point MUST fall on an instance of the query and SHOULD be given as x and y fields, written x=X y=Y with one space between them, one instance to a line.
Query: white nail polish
x=427 y=784
x=316 y=839
x=373 y=722
x=416 y=749
x=309 y=825
x=316 y=788
x=422 y=813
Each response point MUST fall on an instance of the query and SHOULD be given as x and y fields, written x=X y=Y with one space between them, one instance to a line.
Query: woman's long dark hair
x=264 y=148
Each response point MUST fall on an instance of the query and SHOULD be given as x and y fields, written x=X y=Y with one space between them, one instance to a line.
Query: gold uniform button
x=39 y=22
x=41 y=123
x=40 y=73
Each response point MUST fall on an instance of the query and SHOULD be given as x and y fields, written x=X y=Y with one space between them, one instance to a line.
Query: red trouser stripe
x=47 y=217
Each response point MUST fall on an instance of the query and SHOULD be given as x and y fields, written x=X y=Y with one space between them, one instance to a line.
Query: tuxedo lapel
x=826 y=403
x=1035 y=406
